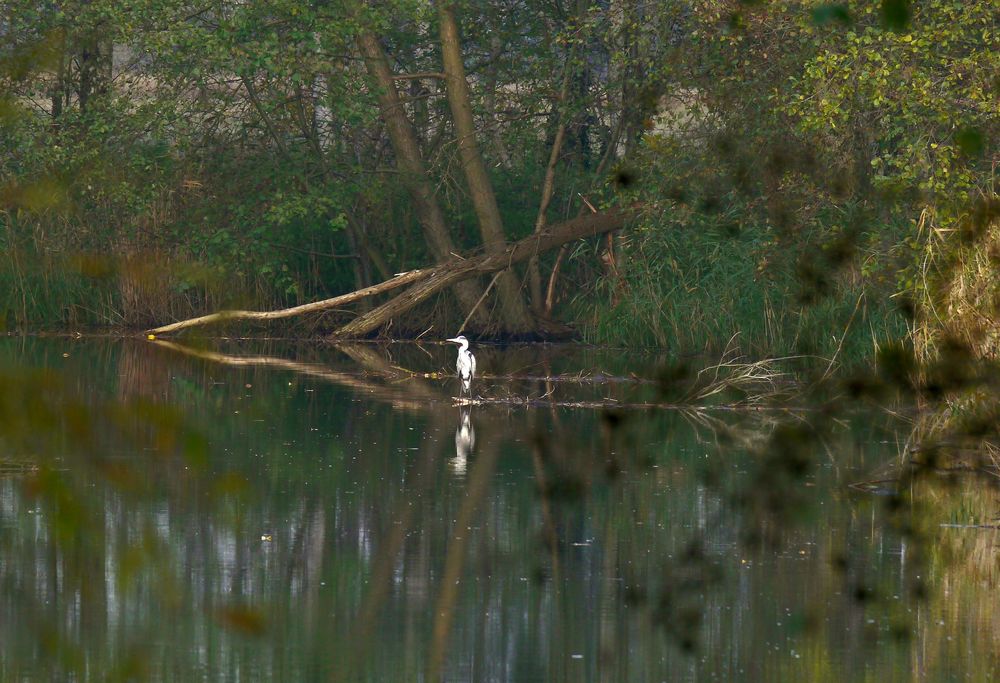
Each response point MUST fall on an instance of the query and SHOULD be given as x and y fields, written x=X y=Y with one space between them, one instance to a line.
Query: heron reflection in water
x=465 y=440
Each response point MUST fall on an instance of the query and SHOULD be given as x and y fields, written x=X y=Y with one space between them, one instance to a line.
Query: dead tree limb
x=450 y=273
x=222 y=316
x=426 y=282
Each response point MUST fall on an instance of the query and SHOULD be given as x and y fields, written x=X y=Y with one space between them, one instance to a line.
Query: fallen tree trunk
x=222 y=316
x=448 y=274
x=426 y=281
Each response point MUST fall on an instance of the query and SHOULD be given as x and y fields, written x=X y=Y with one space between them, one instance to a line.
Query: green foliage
x=917 y=104
x=241 y=144
x=141 y=171
x=918 y=97
x=842 y=150
x=704 y=283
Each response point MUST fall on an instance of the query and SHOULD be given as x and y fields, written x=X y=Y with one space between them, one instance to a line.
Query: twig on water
x=529 y=402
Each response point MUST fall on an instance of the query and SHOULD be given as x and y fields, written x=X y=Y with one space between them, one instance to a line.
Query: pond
x=291 y=511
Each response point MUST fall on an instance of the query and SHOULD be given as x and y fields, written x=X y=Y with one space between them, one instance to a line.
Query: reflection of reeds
x=964 y=562
x=966 y=509
x=143 y=372
x=950 y=481
x=711 y=430
x=963 y=433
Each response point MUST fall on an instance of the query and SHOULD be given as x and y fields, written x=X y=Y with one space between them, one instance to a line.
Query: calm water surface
x=302 y=512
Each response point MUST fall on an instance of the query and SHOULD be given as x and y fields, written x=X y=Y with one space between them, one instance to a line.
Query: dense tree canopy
x=792 y=158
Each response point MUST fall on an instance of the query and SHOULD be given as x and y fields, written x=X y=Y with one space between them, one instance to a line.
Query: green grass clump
x=694 y=287
x=37 y=295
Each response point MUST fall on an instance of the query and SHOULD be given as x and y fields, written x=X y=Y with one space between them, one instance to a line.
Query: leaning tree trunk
x=427 y=281
x=516 y=316
x=463 y=269
x=411 y=164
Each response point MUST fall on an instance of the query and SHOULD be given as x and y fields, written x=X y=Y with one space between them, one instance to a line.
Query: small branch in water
x=760 y=379
x=543 y=402
x=876 y=486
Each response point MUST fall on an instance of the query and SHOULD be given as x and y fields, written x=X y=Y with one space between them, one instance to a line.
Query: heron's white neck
x=464 y=345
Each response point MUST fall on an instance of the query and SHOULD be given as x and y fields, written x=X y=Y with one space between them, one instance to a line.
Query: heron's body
x=466 y=363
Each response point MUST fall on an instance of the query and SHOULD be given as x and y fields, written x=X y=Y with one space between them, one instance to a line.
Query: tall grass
x=55 y=291
x=36 y=293
x=960 y=284
x=693 y=288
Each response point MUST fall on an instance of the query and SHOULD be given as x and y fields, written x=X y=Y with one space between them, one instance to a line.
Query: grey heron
x=466 y=363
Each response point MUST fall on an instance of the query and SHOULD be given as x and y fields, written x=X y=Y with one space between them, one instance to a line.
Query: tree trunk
x=516 y=316
x=94 y=61
x=411 y=164
x=548 y=187
x=462 y=269
x=430 y=280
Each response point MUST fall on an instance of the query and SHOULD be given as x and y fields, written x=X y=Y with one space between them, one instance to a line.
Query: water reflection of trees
x=297 y=541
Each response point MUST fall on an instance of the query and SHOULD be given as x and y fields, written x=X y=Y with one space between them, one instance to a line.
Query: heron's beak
x=454 y=341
